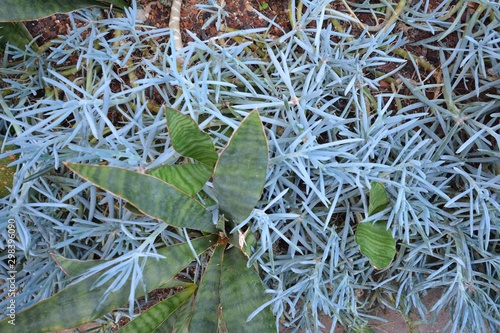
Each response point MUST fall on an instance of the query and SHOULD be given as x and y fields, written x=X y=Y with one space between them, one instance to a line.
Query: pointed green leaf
x=151 y=319
x=188 y=140
x=178 y=322
x=26 y=10
x=206 y=309
x=76 y=304
x=241 y=294
x=150 y=195
x=378 y=198
x=15 y=33
x=374 y=240
x=134 y=210
x=376 y=243
x=188 y=178
x=72 y=267
x=240 y=172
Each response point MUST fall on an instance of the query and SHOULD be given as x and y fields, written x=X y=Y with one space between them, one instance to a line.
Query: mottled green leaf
x=154 y=317
x=76 y=304
x=72 y=267
x=188 y=140
x=374 y=240
x=240 y=172
x=178 y=322
x=376 y=243
x=134 y=210
x=150 y=195
x=206 y=309
x=15 y=33
x=241 y=294
x=378 y=198
x=26 y=10
x=188 y=178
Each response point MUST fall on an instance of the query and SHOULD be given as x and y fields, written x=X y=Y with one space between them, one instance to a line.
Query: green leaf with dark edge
x=154 y=317
x=240 y=172
x=189 y=178
x=241 y=294
x=15 y=33
x=27 y=10
x=75 y=305
x=134 y=210
x=376 y=243
x=188 y=140
x=150 y=195
x=74 y=267
x=206 y=308
x=378 y=198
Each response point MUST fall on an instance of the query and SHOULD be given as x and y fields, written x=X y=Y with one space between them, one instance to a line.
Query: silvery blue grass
x=331 y=131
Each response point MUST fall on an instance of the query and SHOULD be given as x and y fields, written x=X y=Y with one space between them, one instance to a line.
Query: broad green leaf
x=374 y=240
x=188 y=178
x=150 y=195
x=76 y=304
x=206 y=308
x=240 y=172
x=134 y=210
x=376 y=243
x=26 y=10
x=154 y=317
x=241 y=294
x=15 y=33
x=188 y=140
x=378 y=198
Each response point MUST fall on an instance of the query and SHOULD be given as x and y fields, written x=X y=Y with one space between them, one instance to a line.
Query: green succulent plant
x=229 y=292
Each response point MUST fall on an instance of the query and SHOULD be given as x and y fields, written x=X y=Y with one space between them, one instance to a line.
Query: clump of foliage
x=13 y=11
x=336 y=124
x=228 y=293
